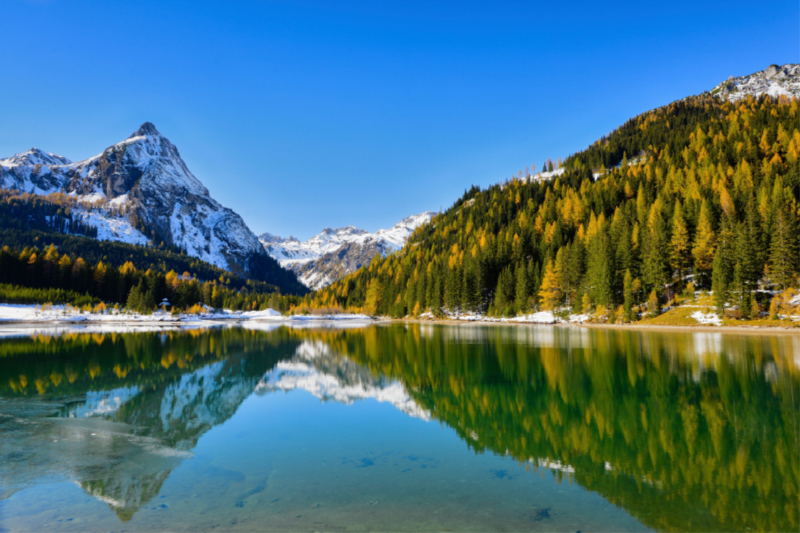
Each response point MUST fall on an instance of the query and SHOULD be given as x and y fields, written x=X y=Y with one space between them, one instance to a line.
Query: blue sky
x=301 y=115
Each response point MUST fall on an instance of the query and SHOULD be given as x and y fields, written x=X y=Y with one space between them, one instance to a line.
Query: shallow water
x=399 y=428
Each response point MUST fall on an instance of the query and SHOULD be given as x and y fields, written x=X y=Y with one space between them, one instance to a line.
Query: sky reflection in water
x=538 y=428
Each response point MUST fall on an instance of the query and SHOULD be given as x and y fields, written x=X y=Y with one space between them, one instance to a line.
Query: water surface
x=400 y=428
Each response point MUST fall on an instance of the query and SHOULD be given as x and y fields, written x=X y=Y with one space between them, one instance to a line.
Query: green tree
x=680 y=247
x=628 y=290
x=522 y=289
x=783 y=257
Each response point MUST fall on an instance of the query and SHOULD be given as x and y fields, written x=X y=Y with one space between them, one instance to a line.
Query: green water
x=400 y=428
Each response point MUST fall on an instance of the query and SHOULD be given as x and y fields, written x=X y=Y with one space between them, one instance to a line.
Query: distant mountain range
x=334 y=253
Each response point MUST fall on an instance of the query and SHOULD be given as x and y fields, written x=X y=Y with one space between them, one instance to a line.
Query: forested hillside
x=35 y=275
x=700 y=191
x=48 y=255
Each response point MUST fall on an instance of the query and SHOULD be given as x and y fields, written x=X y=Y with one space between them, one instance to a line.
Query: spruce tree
x=783 y=254
x=522 y=289
x=628 y=290
x=719 y=285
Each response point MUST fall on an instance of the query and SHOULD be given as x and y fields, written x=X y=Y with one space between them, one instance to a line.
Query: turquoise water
x=399 y=428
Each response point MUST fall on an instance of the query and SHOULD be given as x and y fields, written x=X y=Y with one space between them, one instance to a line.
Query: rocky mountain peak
x=775 y=81
x=148 y=128
x=155 y=197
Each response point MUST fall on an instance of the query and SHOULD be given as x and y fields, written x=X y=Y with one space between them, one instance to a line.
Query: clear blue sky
x=299 y=115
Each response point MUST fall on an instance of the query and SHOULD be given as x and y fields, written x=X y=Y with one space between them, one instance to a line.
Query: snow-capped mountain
x=774 y=81
x=141 y=191
x=334 y=253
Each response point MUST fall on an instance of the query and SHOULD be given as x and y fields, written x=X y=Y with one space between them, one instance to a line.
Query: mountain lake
x=399 y=427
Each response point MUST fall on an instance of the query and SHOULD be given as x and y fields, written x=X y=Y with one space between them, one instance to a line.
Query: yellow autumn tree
x=705 y=243
x=550 y=292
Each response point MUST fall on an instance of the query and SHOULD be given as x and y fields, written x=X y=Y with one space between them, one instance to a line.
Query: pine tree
x=655 y=264
x=680 y=251
x=628 y=290
x=783 y=257
x=599 y=270
x=705 y=242
x=719 y=285
x=748 y=244
x=522 y=289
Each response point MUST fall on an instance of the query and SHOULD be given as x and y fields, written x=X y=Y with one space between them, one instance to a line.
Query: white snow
x=544 y=176
x=110 y=228
x=60 y=314
x=783 y=81
x=712 y=319
x=266 y=314
x=33 y=157
x=541 y=317
x=291 y=251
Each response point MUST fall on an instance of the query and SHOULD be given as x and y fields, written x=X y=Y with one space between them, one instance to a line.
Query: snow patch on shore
x=711 y=319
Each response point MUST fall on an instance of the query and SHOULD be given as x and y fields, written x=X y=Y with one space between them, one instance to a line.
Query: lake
x=399 y=427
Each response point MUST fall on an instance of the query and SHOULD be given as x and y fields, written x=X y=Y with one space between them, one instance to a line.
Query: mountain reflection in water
x=685 y=431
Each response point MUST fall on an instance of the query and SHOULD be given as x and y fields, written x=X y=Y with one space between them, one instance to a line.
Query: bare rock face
x=771 y=71
x=775 y=81
x=147 y=182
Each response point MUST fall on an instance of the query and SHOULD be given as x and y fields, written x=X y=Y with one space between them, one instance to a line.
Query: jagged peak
x=148 y=128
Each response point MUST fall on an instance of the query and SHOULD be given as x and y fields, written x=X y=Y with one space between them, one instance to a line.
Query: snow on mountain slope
x=143 y=191
x=774 y=81
x=291 y=251
x=334 y=253
x=33 y=157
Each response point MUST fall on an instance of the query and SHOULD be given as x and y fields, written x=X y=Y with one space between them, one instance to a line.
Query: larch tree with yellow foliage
x=550 y=292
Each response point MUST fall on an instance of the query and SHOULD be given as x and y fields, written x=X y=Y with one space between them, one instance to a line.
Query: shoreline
x=744 y=329
x=42 y=324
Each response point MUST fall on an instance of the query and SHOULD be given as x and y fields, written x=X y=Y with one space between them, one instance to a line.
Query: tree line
x=65 y=278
